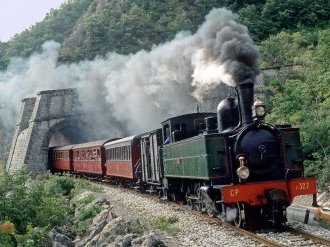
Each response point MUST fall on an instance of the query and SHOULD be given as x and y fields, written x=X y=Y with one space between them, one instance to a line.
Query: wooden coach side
x=61 y=158
x=123 y=158
x=89 y=157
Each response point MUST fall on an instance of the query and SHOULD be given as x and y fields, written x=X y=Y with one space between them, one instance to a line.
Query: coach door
x=151 y=157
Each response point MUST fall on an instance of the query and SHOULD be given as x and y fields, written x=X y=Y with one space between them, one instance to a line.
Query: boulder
x=58 y=239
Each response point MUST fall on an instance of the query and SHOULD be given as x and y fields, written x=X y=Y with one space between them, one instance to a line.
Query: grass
x=165 y=223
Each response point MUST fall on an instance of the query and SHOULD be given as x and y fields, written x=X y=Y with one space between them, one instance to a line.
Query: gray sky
x=18 y=15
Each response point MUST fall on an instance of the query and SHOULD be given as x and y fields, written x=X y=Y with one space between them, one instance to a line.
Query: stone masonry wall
x=49 y=112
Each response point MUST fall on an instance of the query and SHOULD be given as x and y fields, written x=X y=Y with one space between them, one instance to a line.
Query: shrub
x=164 y=223
x=84 y=219
x=60 y=185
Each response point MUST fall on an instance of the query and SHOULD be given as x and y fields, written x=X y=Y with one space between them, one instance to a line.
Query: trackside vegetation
x=300 y=95
x=31 y=205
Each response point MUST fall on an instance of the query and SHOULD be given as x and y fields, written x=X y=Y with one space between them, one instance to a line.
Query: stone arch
x=51 y=112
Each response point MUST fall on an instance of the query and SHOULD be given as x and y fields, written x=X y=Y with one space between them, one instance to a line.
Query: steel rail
x=313 y=237
x=252 y=235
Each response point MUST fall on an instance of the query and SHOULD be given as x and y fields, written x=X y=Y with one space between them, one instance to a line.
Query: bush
x=29 y=208
x=84 y=218
x=164 y=223
x=60 y=185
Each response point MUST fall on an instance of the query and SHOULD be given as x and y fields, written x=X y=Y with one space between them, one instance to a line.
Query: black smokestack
x=245 y=101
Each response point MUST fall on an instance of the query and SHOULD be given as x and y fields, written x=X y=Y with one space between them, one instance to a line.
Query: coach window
x=97 y=154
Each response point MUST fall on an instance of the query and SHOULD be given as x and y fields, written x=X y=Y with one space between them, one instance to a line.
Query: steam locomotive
x=229 y=164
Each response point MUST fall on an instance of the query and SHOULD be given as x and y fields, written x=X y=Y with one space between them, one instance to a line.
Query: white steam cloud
x=134 y=93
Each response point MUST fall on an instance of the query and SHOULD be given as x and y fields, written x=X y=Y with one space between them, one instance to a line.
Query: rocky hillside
x=90 y=28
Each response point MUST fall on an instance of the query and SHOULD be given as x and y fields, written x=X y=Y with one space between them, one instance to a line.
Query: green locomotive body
x=201 y=157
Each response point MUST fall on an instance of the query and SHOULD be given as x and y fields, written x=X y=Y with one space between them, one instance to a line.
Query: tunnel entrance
x=67 y=136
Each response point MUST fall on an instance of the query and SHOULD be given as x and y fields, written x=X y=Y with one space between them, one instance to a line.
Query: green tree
x=304 y=101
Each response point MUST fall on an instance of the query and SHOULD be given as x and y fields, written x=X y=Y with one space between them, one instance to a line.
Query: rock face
x=108 y=229
x=58 y=239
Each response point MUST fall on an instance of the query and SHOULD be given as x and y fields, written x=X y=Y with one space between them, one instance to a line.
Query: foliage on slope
x=30 y=206
x=300 y=95
x=90 y=28
x=57 y=25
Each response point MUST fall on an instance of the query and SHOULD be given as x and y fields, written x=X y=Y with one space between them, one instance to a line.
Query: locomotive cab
x=185 y=126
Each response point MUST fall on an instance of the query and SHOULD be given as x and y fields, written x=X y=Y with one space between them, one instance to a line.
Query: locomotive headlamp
x=243 y=171
x=258 y=109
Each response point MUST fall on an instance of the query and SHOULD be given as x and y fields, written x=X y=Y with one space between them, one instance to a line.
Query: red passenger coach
x=89 y=157
x=123 y=157
x=61 y=158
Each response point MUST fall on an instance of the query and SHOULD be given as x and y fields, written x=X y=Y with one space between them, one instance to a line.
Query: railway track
x=286 y=236
x=275 y=239
x=315 y=238
x=304 y=238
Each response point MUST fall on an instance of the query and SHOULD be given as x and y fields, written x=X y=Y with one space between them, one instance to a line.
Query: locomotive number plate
x=302 y=186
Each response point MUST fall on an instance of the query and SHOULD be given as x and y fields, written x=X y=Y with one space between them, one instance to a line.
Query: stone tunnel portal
x=50 y=119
